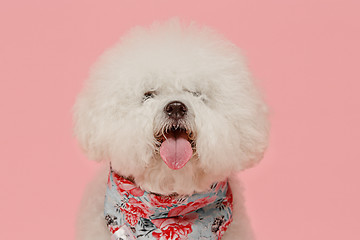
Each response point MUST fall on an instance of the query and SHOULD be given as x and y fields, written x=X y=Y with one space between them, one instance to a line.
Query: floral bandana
x=132 y=213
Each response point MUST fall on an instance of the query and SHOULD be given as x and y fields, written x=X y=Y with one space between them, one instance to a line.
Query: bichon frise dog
x=173 y=110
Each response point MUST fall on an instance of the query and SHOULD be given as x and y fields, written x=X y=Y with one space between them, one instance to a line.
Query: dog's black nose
x=175 y=110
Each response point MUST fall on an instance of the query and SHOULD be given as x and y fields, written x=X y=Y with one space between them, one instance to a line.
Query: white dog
x=174 y=112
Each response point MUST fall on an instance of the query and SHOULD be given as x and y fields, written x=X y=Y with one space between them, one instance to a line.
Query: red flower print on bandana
x=134 y=210
x=126 y=187
x=222 y=229
x=228 y=201
x=191 y=206
x=113 y=229
x=162 y=201
x=174 y=228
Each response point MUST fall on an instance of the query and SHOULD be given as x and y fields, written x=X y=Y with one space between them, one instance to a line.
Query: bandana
x=132 y=213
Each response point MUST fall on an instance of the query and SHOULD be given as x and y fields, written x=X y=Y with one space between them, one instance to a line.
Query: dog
x=174 y=113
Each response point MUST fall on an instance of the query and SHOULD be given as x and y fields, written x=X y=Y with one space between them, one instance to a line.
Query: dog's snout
x=175 y=110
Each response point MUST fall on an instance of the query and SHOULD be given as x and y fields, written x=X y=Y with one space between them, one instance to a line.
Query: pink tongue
x=176 y=150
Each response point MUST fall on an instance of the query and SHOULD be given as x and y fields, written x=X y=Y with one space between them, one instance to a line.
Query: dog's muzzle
x=175 y=138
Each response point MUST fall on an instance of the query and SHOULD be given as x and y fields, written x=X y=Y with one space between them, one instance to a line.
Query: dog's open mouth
x=176 y=147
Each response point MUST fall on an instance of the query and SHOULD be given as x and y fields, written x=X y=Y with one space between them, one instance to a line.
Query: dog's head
x=173 y=107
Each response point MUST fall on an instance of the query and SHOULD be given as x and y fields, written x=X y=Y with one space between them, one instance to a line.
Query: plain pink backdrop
x=304 y=52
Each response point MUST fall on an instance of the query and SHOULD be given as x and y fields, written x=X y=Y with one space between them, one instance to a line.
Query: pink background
x=305 y=52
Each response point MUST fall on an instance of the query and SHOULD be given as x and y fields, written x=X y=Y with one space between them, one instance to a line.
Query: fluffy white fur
x=226 y=116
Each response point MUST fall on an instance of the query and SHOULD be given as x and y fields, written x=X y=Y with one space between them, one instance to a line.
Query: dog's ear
x=259 y=143
x=89 y=127
x=255 y=132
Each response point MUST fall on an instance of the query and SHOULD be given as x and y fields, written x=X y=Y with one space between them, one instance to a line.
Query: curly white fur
x=114 y=121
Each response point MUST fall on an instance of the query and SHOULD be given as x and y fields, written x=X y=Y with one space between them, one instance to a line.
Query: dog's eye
x=148 y=95
x=195 y=94
x=198 y=95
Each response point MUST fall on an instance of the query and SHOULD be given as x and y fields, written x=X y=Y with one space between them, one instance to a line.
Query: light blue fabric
x=150 y=216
